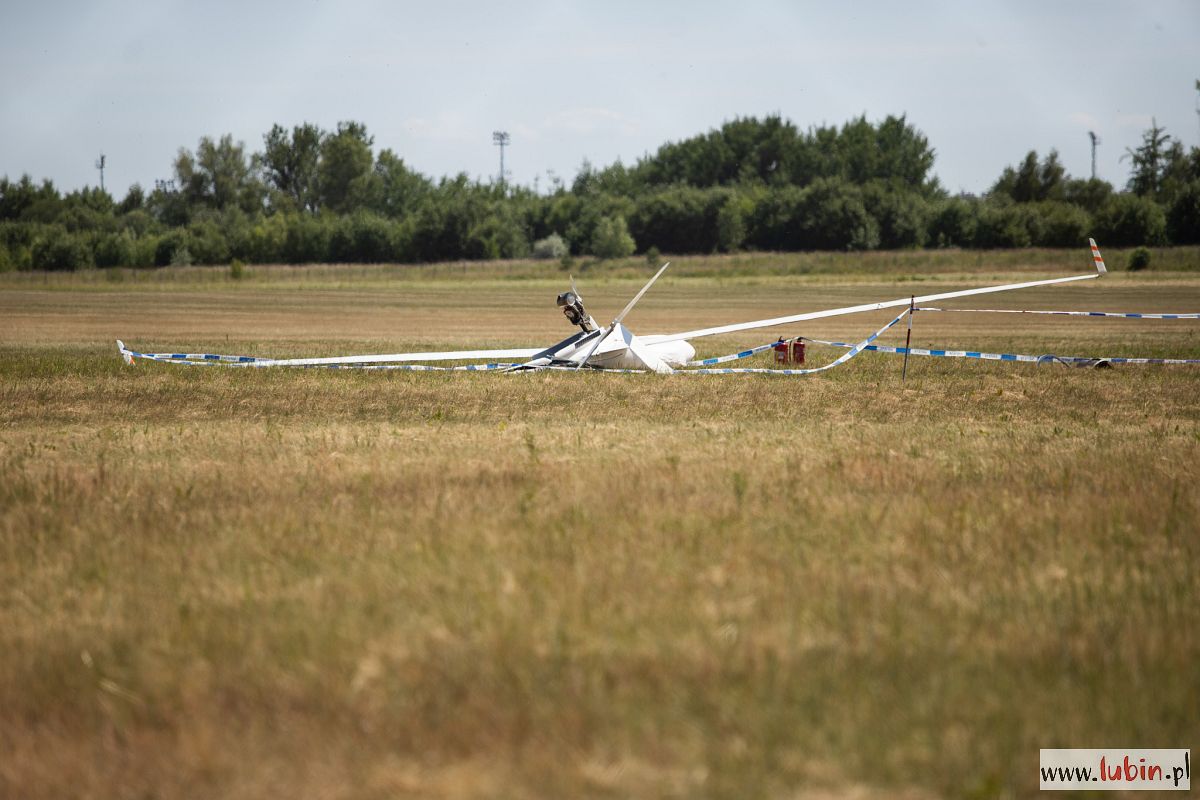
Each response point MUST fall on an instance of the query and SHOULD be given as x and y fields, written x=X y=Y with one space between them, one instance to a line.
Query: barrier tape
x=1000 y=356
x=753 y=351
x=1031 y=359
x=855 y=349
x=215 y=359
x=1124 y=315
x=202 y=359
x=418 y=367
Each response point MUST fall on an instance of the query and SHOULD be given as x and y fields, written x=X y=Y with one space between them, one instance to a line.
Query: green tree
x=345 y=170
x=772 y=152
x=400 y=190
x=289 y=164
x=1148 y=162
x=1179 y=169
x=23 y=200
x=135 y=199
x=1089 y=194
x=168 y=205
x=1032 y=181
x=905 y=156
x=218 y=175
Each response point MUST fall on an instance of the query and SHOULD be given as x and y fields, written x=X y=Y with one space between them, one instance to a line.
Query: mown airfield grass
x=258 y=583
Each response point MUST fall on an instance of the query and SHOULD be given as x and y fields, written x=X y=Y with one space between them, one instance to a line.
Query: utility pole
x=501 y=139
x=100 y=166
x=1095 y=141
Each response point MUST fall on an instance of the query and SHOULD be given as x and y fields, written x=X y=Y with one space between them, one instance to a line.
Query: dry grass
x=266 y=583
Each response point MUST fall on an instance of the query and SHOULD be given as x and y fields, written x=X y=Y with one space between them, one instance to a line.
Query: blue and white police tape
x=855 y=349
x=216 y=359
x=186 y=358
x=1031 y=359
x=416 y=367
x=753 y=351
x=1123 y=315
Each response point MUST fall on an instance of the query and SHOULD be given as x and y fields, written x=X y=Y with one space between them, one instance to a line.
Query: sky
x=985 y=81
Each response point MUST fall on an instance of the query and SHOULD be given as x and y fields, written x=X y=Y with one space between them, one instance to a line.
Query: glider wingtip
x=1097 y=259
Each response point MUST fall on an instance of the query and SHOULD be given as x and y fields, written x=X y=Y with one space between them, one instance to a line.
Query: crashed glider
x=608 y=347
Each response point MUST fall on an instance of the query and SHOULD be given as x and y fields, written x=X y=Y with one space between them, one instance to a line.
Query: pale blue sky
x=985 y=81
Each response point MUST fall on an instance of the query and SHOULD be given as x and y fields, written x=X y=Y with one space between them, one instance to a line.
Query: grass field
x=256 y=583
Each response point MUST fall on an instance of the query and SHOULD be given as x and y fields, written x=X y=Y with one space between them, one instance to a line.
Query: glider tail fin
x=1097 y=259
x=125 y=354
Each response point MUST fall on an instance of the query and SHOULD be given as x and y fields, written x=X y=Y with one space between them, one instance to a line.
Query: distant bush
x=181 y=257
x=265 y=241
x=678 y=219
x=1002 y=225
x=953 y=222
x=307 y=239
x=56 y=249
x=168 y=245
x=1062 y=225
x=498 y=235
x=145 y=248
x=1139 y=259
x=552 y=246
x=114 y=249
x=1090 y=195
x=612 y=239
x=653 y=256
x=237 y=270
x=903 y=217
x=828 y=215
x=731 y=223
x=1183 y=217
x=207 y=243
x=1127 y=220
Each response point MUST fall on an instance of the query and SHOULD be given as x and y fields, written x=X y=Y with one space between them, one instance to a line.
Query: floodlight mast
x=1095 y=141
x=501 y=139
x=100 y=166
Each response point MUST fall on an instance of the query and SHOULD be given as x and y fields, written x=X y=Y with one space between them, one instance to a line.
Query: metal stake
x=908 y=336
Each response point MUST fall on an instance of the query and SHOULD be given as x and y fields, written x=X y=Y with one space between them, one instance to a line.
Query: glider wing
x=837 y=312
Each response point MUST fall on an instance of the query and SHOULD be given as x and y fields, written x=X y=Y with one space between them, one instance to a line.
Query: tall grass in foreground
x=251 y=584
x=258 y=584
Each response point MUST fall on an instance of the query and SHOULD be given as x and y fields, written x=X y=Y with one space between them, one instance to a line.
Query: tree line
x=313 y=195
